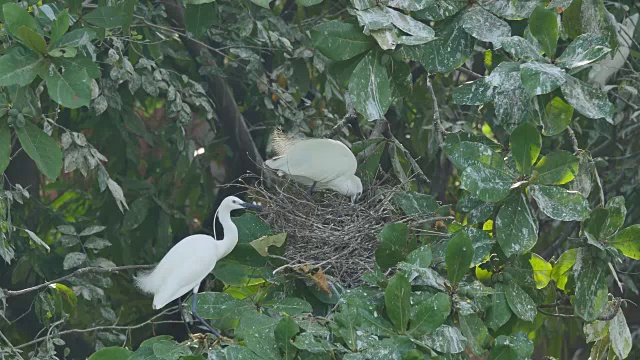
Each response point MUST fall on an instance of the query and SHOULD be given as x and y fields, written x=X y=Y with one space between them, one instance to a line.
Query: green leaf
x=284 y=333
x=15 y=17
x=452 y=46
x=465 y=154
x=520 y=48
x=59 y=26
x=539 y=78
x=482 y=244
x=106 y=17
x=556 y=168
x=73 y=260
x=79 y=63
x=591 y=284
x=561 y=268
x=525 y=143
x=590 y=102
x=262 y=244
x=136 y=214
x=516 y=227
x=627 y=241
x=397 y=300
x=420 y=257
x=543 y=25
x=541 y=270
x=111 y=353
x=518 y=346
x=427 y=316
x=289 y=306
x=370 y=89
x=262 y=3
x=394 y=245
x=458 y=256
x=620 y=336
x=559 y=203
x=413 y=203
x=198 y=2
x=32 y=39
x=76 y=38
x=438 y=10
x=338 y=40
x=221 y=306
x=590 y=16
x=257 y=330
x=585 y=49
x=71 y=89
x=509 y=9
x=617 y=214
x=20 y=66
x=446 y=339
x=198 y=18
x=486 y=183
x=499 y=312
x=520 y=302
x=5 y=145
x=557 y=117
x=37 y=240
x=306 y=3
x=485 y=26
x=475 y=331
x=42 y=149
x=476 y=92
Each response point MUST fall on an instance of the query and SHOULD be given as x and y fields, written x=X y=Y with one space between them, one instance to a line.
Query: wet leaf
x=338 y=40
x=439 y=10
x=257 y=330
x=397 y=297
x=485 y=26
x=627 y=241
x=591 y=284
x=5 y=145
x=475 y=92
x=520 y=302
x=136 y=215
x=521 y=48
x=585 y=49
x=475 y=331
x=590 y=102
x=516 y=227
x=486 y=183
x=262 y=244
x=41 y=148
x=482 y=244
x=73 y=260
x=466 y=154
x=499 y=312
x=559 y=203
x=539 y=78
x=617 y=214
x=289 y=306
x=446 y=339
x=370 y=89
x=509 y=9
x=544 y=27
x=111 y=353
x=394 y=245
x=37 y=240
x=556 y=168
x=525 y=142
x=458 y=256
x=620 y=336
x=106 y=17
x=410 y=25
x=420 y=257
x=541 y=270
x=557 y=117
x=284 y=333
x=427 y=316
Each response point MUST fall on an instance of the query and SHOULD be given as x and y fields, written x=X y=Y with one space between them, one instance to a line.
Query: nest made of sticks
x=329 y=231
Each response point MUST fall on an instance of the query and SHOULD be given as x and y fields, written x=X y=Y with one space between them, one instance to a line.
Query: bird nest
x=328 y=231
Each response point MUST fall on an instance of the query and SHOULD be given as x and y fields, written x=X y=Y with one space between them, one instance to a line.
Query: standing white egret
x=317 y=163
x=187 y=263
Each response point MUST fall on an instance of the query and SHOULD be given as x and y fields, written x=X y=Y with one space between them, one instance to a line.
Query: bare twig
x=79 y=272
x=436 y=113
x=574 y=140
x=472 y=75
x=412 y=161
x=351 y=114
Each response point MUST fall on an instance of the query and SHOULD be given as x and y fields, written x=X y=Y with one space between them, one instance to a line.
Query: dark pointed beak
x=252 y=206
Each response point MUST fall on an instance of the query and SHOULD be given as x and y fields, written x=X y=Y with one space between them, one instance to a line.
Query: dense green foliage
x=120 y=121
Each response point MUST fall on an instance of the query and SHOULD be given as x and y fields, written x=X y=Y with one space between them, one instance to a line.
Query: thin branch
x=412 y=161
x=560 y=240
x=107 y=327
x=472 y=75
x=351 y=114
x=436 y=113
x=574 y=140
x=79 y=272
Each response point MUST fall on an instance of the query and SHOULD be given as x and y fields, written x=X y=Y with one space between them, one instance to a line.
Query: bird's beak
x=252 y=206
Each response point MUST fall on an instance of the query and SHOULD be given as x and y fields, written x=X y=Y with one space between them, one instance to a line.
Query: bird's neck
x=230 y=234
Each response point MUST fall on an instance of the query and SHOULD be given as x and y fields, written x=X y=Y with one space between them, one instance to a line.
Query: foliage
x=532 y=167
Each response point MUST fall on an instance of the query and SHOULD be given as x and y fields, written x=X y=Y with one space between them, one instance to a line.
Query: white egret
x=317 y=163
x=188 y=262
x=605 y=69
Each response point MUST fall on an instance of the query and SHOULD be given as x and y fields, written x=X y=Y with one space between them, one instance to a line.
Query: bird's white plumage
x=187 y=263
x=605 y=69
x=328 y=162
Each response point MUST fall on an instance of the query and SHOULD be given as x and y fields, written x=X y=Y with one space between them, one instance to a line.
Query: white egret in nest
x=317 y=163
x=187 y=263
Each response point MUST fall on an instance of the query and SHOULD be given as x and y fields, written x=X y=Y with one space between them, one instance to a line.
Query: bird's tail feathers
x=277 y=163
x=282 y=141
x=148 y=281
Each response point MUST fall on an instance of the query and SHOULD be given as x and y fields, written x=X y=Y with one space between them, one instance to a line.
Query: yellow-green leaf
x=541 y=270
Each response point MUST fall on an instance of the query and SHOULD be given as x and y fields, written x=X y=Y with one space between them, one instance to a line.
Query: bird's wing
x=321 y=160
x=180 y=270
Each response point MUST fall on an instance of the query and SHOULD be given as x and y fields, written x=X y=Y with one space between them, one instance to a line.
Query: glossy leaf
x=499 y=312
x=410 y=25
x=617 y=214
x=289 y=306
x=198 y=18
x=338 y=40
x=458 y=256
x=525 y=143
x=420 y=257
x=544 y=27
x=20 y=66
x=74 y=260
x=32 y=39
x=559 y=203
x=446 y=339
x=516 y=226
x=482 y=244
x=627 y=241
x=620 y=335
x=106 y=17
x=370 y=89
x=16 y=17
x=221 y=306
x=466 y=154
x=475 y=331
x=257 y=330
x=59 y=26
x=42 y=149
x=476 y=92
x=487 y=184
x=308 y=2
x=439 y=10
x=397 y=300
x=556 y=168
x=136 y=214
x=485 y=26
x=520 y=302
x=590 y=102
x=76 y=38
x=591 y=285
x=284 y=333
x=428 y=315
x=394 y=245
x=71 y=89
x=510 y=10
x=557 y=117
x=539 y=78
x=541 y=270
x=520 y=48
x=111 y=353
x=584 y=50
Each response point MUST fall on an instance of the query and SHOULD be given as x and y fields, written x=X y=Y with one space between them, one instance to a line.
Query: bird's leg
x=312 y=188
x=194 y=301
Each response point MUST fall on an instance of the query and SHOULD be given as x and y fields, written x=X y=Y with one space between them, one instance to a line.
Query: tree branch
x=436 y=113
x=412 y=161
x=79 y=272
x=574 y=140
x=350 y=116
x=472 y=75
